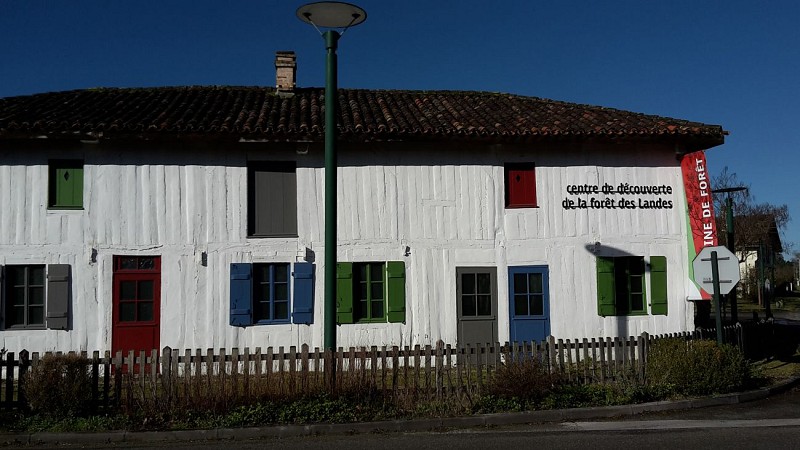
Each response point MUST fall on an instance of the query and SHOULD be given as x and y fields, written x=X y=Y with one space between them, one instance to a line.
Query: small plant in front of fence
x=698 y=367
x=521 y=382
x=59 y=386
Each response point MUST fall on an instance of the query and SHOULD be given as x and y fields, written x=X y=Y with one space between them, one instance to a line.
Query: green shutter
x=606 y=305
x=344 y=293
x=68 y=186
x=396 y=281
x=658 y=285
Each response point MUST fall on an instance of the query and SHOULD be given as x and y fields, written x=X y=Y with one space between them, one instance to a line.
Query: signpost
x=716 y=269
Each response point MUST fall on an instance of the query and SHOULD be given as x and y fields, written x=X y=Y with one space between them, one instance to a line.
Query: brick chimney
x=285 y=71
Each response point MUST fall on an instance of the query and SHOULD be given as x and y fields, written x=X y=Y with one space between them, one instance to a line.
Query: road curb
x=413 y=425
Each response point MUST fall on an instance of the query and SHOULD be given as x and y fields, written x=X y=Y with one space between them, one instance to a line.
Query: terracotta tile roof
x=261 y=113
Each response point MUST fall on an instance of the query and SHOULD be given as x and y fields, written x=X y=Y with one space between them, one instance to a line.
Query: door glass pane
x=468 y=308
x=36 y=315
x=484 y=305
x=281 y=310
x=127 y=312
x=536 y=283
x=127 y=290
x=520 y=305
x=484 y=283
x=145 y=290
x=147 y=263
x=128 y=263
x=468 y=283
x=520 y=283
x=261 y=272
x=145 y=311
x=537 y=305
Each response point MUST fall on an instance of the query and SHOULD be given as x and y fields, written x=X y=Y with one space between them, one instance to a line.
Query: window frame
x=8 y=303
x=627 y=296
x=493 y=292
x=273 y=268
x=55 y=188
x=277 y=167
x=614 y=277
x=394 y=293
x=511 y=200
x=359 y=315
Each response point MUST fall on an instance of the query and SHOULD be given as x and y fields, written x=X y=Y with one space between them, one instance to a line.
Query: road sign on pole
x=728 y=266
x=717 y=268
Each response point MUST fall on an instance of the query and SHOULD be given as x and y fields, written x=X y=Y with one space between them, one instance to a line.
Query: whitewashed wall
x=446 y=202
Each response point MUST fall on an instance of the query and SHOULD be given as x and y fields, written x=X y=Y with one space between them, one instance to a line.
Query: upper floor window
x=520 y=179
x=271 y=199
x=65 y=184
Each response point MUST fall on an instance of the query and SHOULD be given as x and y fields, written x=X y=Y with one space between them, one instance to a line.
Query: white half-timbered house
x=193 y=217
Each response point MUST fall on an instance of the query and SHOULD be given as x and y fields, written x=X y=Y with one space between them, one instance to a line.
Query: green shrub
x=697 y=367
x=526 y=380
x=59 y=386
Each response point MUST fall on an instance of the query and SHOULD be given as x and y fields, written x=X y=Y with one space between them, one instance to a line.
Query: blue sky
x=734 y=63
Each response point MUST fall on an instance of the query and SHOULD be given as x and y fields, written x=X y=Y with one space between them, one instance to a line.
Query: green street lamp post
x=342 y=16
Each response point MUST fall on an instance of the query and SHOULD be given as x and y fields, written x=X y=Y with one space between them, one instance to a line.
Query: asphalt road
x=770 y=423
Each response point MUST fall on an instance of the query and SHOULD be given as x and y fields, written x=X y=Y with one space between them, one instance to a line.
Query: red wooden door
x=137 y=303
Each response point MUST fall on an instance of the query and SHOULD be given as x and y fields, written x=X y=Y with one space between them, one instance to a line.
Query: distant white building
x=192 y=217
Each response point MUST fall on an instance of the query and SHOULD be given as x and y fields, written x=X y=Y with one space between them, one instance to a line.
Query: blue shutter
x=303 y=296
x=241 y=294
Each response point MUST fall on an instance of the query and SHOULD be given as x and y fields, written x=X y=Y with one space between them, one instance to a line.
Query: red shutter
x=520 y=185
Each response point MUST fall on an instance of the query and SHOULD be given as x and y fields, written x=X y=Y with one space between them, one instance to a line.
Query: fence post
x=10 y=379
x=24 y=364
x=166 y=368
x=439 y=362
x=641 y=345
x=551 y=353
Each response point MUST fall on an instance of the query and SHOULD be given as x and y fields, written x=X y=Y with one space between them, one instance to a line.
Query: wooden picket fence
x=419 y=371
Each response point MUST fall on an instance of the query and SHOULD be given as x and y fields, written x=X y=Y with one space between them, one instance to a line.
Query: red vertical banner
x=702 y=225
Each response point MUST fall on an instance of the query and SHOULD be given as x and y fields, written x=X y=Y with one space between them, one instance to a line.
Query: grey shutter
x=58 y=296
x=274 y=202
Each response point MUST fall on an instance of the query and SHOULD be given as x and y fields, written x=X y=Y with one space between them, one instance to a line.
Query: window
x=520 y=181
x=65 y=184
x=476 y=294
x=271 y=199
x=35 y=296
x=260 y=294
x=528 y=292
x=621 y=286
x=271 y=293
x=370 y=292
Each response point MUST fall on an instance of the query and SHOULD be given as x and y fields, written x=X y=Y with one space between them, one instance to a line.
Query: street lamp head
x=331 y=14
